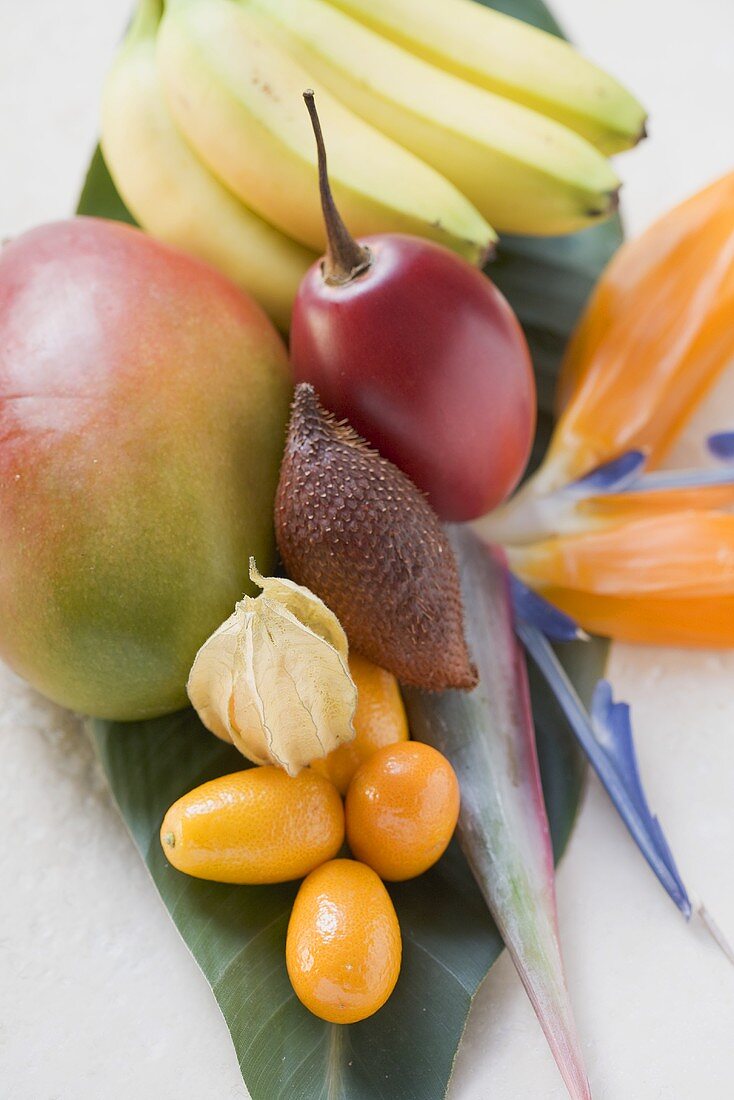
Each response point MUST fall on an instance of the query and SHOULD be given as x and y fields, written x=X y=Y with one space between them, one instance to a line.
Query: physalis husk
x=274 y=678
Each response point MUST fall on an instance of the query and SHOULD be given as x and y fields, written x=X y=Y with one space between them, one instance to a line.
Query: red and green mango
x=143 y=404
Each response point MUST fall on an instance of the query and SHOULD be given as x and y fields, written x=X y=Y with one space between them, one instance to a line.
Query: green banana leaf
x=530 y=11
x=237 y=934
x=547 y=280
x=99 y=197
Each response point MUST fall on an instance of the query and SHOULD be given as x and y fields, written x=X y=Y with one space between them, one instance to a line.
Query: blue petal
x=611 y=477
x=721 y=446
x=536 y=611
x=613 y=728
x=606 y=738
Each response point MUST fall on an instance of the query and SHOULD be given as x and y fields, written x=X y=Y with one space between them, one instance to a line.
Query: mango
x=143 y=402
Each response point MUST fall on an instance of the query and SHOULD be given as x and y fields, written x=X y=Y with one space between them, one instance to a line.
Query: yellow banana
x=513 y=59
x=173 y=196
x=526 y=173
x=237 y=98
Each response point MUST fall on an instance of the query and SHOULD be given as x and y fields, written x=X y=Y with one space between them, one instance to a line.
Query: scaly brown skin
x=355 y=530
x=143 y=403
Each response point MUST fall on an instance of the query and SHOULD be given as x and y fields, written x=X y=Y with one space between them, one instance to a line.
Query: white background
x=98 y=996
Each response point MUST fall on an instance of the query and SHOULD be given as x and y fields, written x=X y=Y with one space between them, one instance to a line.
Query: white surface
x=98 y=997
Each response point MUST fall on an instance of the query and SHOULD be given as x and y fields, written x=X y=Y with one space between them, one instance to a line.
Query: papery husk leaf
x=274 y=678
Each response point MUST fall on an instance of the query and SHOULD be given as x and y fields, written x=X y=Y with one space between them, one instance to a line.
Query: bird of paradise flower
x=618 y=547
x=597 y=540
x=632 y=554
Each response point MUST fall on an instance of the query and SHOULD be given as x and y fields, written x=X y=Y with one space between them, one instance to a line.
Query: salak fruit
x=354 y=529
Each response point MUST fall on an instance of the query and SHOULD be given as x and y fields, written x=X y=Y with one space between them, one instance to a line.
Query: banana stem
x=145 y=21
x=345 y=259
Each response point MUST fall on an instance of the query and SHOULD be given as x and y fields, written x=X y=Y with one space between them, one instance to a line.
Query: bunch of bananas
x=442 y=119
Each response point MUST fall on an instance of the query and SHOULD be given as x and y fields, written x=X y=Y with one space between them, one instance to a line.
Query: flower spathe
x=489 y=737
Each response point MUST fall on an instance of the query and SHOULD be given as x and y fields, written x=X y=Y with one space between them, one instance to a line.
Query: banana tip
x=488 y=254
x=610 y=205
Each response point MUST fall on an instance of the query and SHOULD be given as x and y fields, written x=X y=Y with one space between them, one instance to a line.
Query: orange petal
x=685 y=553
x=653 y=339
x=532 y=518
x=649 y=620
x=623 y=507
x=667 y=580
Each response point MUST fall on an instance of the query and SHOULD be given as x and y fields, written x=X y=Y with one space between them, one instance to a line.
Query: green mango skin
x=143 y=406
